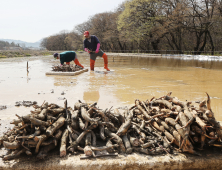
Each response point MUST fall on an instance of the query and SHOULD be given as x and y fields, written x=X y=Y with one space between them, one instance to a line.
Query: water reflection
x=161 y=61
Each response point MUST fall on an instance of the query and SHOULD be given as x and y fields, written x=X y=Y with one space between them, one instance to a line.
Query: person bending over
x=92 y=46
x=67 y=56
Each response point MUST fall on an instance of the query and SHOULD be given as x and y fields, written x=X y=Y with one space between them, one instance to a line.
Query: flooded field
x=130 y=78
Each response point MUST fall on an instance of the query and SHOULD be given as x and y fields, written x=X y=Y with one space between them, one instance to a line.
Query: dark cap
x=55 y=55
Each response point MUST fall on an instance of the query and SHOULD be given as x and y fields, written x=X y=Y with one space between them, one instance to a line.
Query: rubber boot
x=92 y=63
x=105 y=62
x=76 y=61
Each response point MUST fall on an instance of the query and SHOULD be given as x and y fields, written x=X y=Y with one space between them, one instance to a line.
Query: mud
x=130 y=77
x=131 y=162
x=3 y=107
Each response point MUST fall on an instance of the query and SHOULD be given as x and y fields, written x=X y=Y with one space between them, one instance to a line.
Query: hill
x=23 y=43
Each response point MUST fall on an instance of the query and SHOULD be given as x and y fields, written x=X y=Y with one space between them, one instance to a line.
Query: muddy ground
x=131 y=77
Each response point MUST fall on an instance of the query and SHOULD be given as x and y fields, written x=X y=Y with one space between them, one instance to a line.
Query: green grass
x=29 y=53
x=3 y=56
x=46 y=53
x=17 y=55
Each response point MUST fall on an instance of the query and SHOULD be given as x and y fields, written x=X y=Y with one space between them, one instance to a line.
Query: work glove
x=97 y=49
x=87 y=50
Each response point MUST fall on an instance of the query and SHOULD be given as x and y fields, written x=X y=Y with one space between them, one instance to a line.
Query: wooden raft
x=59 y=73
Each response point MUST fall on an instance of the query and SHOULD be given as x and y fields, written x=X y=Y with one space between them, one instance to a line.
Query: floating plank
x=59 y=73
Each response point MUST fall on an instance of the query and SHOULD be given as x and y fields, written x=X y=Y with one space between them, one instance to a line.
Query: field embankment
x=24 y=53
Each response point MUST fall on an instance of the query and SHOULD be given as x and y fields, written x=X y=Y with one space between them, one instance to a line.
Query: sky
x=32 y=20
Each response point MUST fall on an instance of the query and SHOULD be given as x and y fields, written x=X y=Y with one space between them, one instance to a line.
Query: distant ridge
x=22 y=43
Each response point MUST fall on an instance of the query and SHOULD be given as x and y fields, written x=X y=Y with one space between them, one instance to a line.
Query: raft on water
x=66 y=70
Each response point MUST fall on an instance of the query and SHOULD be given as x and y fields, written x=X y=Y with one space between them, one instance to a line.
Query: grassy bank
x=24 y=53
x=29 y=53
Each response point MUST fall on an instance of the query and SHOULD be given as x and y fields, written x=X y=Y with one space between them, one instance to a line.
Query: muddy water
x=130 y=78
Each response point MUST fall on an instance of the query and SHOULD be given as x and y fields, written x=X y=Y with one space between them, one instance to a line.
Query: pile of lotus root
x=162 y=125
x=66 y=68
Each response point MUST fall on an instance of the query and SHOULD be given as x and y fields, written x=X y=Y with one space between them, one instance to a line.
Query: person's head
x=86 y=34
x=55 y=55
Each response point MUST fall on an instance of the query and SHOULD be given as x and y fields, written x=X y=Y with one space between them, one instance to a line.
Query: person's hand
x=87 y=50
x=97 y=50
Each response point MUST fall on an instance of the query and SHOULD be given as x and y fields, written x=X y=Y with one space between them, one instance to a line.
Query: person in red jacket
x=92 y=46
x=67 y=56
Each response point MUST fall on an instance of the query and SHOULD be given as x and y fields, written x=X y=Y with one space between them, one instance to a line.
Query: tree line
x=7 y=44
x=156 y=26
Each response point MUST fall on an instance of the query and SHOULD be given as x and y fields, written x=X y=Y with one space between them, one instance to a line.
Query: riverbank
x=24 y=53
x=28 y=53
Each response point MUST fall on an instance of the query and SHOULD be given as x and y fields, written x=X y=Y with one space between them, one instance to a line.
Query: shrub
x=2 y=56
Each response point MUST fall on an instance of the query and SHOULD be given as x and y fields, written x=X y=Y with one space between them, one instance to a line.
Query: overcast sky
x=32 y=20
